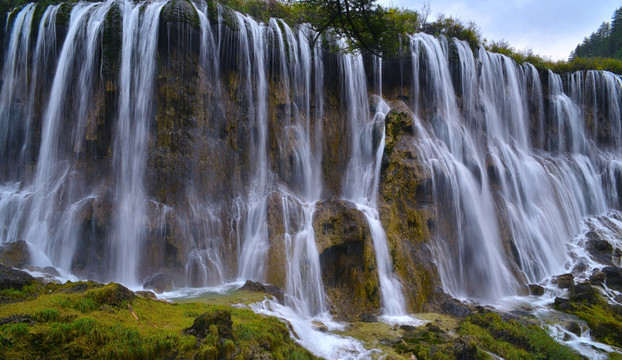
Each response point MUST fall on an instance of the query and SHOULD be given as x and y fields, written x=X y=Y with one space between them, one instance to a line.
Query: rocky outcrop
x=15 y=254
x=13 y=279
x=601 y=249
x=405 y=211
x=536 y=290
x=565 y=281
x=613 y=277
x=159 y=283
x=347 y=259
x=268 y=289
x=220 y=319
x=276 y=270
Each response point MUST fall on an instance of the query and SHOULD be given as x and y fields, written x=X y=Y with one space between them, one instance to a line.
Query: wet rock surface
x=405 y=212
x=159 y=283
x=347 y=259
x=15 y=254
x=13 y=279
x=600 y=249
x=278 y=293
x=535 y=289
x=565 y=281
x=613 y=277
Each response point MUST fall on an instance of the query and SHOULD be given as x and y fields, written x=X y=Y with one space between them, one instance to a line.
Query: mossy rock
x=396 y=123
x=221 y=319
x=181 y=11
x=13 y=279
x=112 y=294
x=15 y=254
x=603 y=319
x=347 y=259
x=52 y=323
x=276 y=266
x=111 y=44
x=405 y=209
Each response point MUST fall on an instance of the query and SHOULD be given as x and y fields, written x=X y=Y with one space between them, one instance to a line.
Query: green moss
x=603 y=319
x=109 y=330
x=64 y=13
x=396 y=124
x=15 y=295
x=605 y=323
x=46 y=315
x=181 y=11
x=111 y=43
x=445 y=337
x=19 y=329
x=512 y=339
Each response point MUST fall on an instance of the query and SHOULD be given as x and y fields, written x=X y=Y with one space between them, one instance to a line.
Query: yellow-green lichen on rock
x=347 y=259
x=405 y=211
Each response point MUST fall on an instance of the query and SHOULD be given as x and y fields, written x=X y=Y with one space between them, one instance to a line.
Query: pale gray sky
x=551 y=28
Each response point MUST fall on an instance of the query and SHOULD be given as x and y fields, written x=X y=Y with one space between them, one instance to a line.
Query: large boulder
x=536 y=290
x=565 y=281
x=220 y=319
x=13 y=279
x=613 y=277
x=583 y=293
x=159 y=283
x=268 y=289
x=347 y=259
x=601 y=250
x=14 y=254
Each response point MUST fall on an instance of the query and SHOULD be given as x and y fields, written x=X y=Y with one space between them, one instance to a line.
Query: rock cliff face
x=250 y=133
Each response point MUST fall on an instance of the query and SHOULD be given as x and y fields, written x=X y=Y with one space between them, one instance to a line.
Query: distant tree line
x=605 y=42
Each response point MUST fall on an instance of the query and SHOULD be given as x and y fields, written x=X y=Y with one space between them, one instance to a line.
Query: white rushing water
x=136 y=79
x=503 y=231
x=254 y=91
x=516 y=206
x=362 y=177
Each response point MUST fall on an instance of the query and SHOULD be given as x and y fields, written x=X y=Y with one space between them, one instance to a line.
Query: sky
x=551 y=28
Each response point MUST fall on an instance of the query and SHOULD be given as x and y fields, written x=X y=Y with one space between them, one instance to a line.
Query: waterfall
x=254 y=92
x=363 y=173
x=136 y=79
x=483 y=182
x=517 y=163
x=15 y=89
x=56 y=243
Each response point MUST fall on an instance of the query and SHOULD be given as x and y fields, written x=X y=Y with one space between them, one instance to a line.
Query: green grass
x=512 y=339
x=98 y=323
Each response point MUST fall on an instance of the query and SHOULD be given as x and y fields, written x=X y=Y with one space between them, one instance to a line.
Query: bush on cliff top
x=383 y=31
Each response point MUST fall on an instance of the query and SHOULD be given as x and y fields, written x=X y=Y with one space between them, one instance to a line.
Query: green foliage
x=264 y=10
x=576 y=64
x=604 y=320
x=605 y=42
x=46 y=315
x=512 y=339
x=451 y=27
x=19 y=329
x=14 y=295
x=88 y=320
x=598 y=63
x=85 y=305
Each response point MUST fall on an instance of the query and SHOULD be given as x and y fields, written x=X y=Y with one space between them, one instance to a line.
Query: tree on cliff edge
x=605 y=42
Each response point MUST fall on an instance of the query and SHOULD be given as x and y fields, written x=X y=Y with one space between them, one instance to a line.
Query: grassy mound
x=89 y=320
